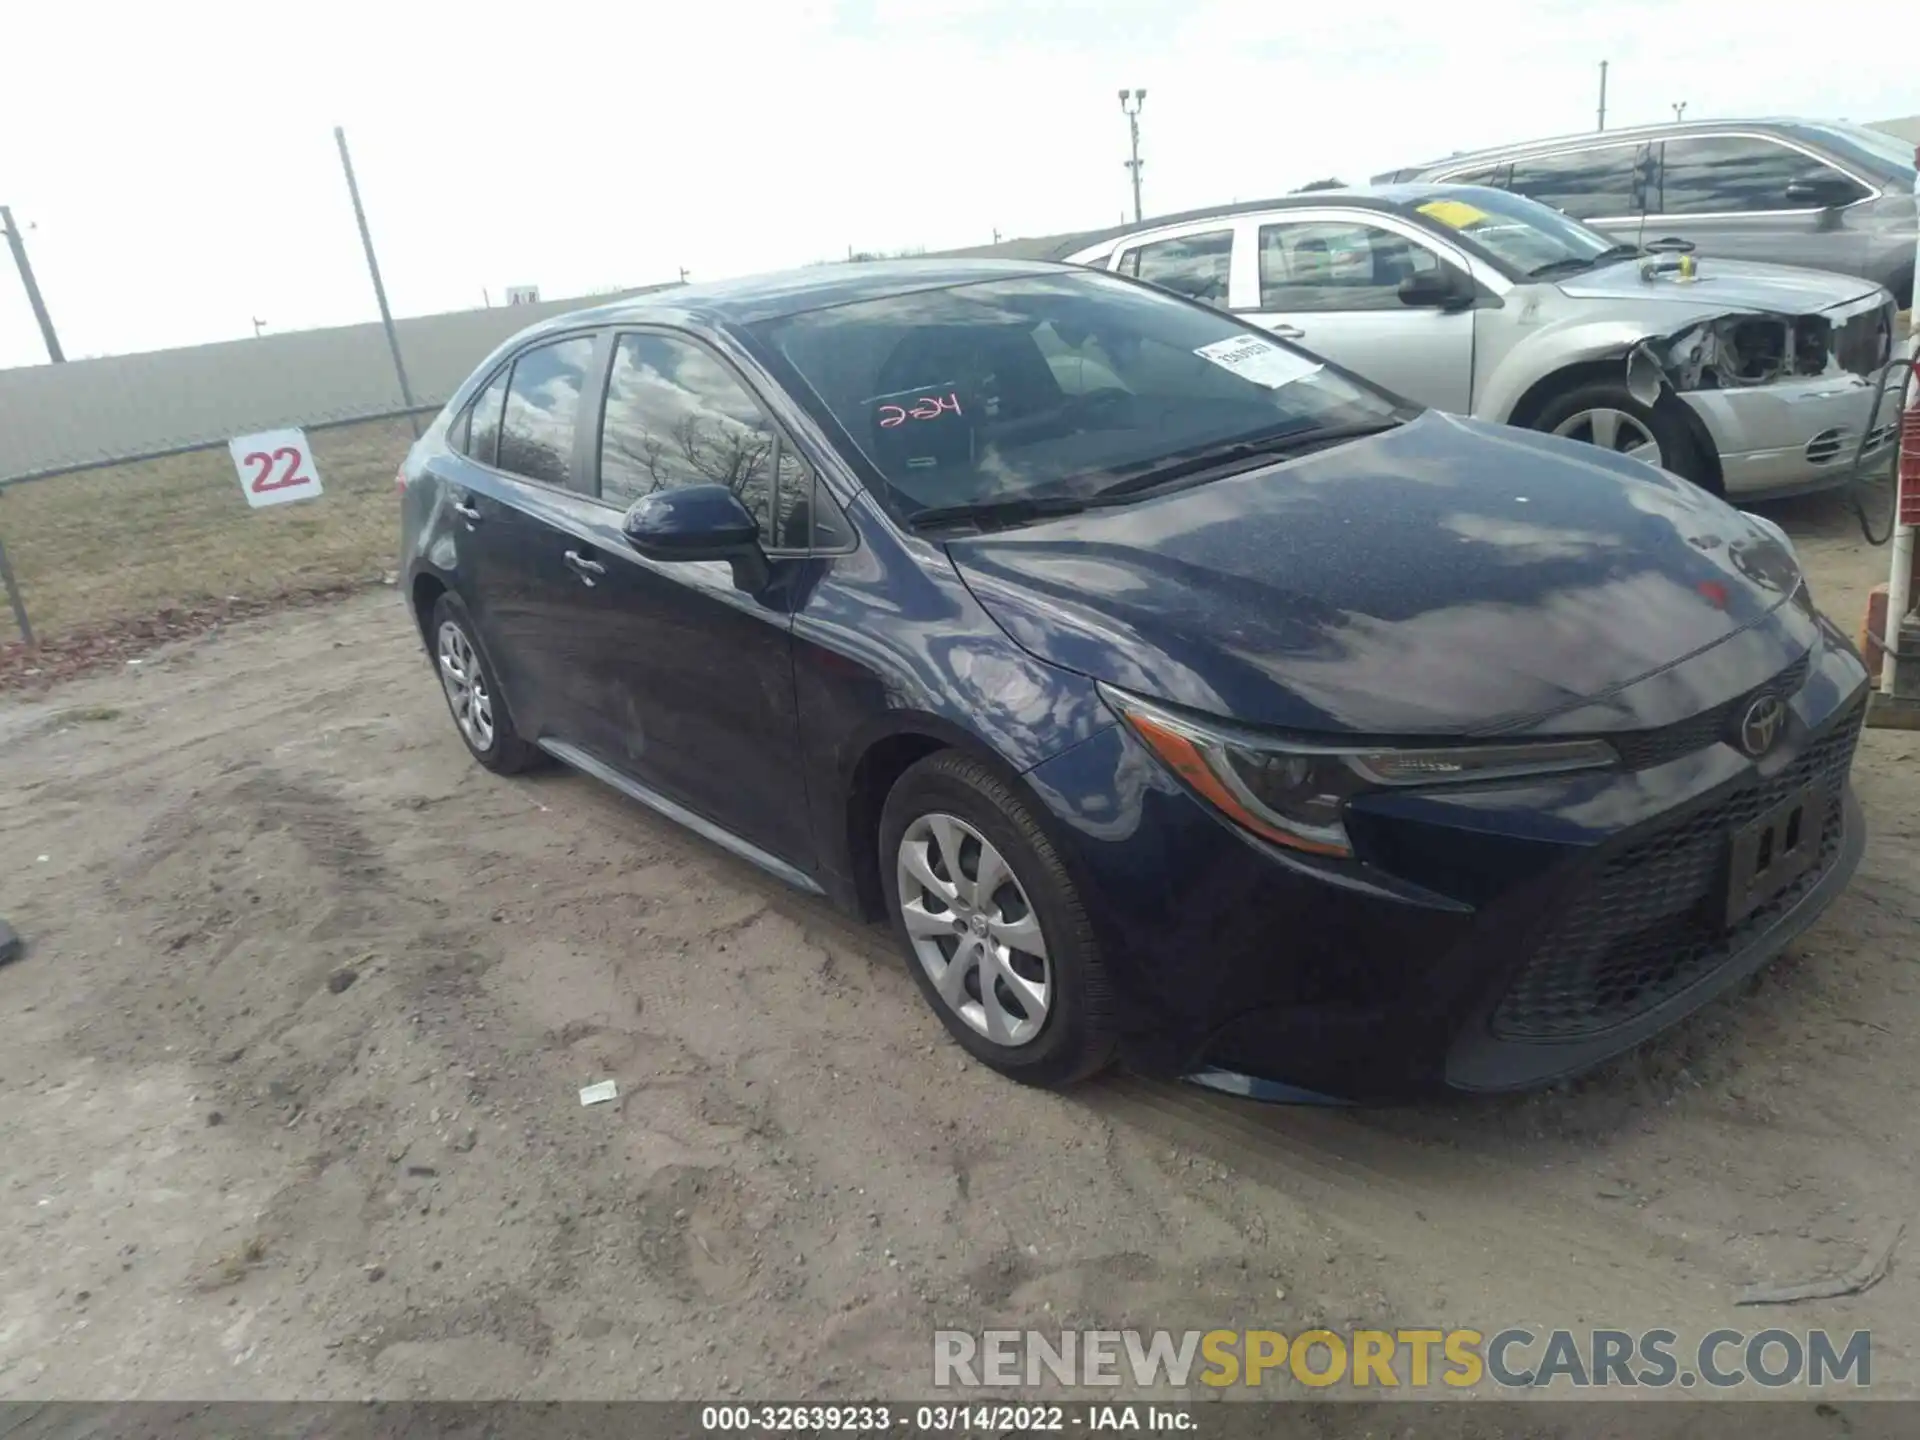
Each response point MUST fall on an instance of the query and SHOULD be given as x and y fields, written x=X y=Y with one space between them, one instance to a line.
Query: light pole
x=379 y=290
x=1600 y=121
x=1130 y=102
x=1680 y=110
x=18 y=245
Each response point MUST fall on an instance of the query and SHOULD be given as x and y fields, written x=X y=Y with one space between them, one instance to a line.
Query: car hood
x=1446 y=577
x=1723 y=285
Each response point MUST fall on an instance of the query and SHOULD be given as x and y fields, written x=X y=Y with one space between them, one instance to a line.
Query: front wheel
x=1605 y=414
x=993 y=926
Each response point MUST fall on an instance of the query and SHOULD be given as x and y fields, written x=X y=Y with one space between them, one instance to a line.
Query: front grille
x=1643 y=749
x=1654 y=921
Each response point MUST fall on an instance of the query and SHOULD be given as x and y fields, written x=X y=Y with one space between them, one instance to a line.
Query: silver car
x=1751 y=380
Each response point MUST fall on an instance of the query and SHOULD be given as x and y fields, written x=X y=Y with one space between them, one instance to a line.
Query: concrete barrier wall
x=55 y=418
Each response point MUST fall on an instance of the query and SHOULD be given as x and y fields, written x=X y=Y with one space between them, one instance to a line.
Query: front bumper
x=1797 y=436
x=1496 y=938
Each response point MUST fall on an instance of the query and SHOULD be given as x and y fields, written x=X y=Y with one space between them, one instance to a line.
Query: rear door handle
x=586 y=569
x=466 y=509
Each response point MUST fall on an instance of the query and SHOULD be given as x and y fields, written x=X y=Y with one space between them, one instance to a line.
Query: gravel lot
x=288 y=1092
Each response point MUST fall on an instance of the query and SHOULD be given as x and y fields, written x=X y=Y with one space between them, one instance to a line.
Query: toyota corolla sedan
x=1175 y=694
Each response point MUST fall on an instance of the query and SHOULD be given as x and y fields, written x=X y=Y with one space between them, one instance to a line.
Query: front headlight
x=1295 y=793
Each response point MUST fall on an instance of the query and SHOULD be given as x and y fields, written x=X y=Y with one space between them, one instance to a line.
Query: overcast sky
x=177 y=160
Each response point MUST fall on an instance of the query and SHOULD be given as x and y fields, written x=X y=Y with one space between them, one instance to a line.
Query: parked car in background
x=1819 y=193
x=1757 y=380
x=1176 y=694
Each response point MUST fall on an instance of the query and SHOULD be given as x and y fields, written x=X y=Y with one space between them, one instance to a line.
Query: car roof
x=1783 y=124
x=753 y=298
x=1059 y=247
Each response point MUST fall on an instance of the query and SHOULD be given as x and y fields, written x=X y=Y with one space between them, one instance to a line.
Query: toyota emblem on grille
x=1760 y=726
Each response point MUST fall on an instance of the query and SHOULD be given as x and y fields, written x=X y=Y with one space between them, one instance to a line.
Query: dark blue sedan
x=1179 y=696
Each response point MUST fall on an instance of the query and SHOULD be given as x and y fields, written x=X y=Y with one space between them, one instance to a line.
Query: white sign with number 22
x=275 y=466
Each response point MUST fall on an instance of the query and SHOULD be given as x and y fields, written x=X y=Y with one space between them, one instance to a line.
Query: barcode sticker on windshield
x=1260 y=361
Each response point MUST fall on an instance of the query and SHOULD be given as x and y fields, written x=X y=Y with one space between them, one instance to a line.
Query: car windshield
x=1522 y=234
x=1887 y=155
x=1051 y=387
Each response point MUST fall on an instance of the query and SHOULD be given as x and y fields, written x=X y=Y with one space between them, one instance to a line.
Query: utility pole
x=21 y=263
x=379 y=290
x=1130 y=102
x=1680 y=110
x=1601 y=123
x=258 y=326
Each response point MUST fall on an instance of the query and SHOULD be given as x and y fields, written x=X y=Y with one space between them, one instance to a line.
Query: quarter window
x=543 y=402
x=1192 y=265
x=676 y=416
x=1717 y=174
x=1336 y=265
x=1580 y=183
x=479 y=429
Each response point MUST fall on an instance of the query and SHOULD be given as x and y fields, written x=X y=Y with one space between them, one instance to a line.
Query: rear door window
x=543 y=405
x=1580 y=183
x=1196 y=266
x=1495 y=177
x=1731 y=174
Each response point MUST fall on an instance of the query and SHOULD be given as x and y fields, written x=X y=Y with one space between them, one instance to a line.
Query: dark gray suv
x=1818 y=193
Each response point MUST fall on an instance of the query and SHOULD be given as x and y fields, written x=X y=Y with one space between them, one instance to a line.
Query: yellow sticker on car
x=1455 y=213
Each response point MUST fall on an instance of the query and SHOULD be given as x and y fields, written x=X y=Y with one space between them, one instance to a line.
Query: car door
x=1331 y=280
x=512 y=485
x=693 y=664
x=1729 y=195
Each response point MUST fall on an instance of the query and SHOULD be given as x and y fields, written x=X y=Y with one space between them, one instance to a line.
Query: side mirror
x=694 y=522
x=1824 y=189
x=699 y=522
x=1435 y=290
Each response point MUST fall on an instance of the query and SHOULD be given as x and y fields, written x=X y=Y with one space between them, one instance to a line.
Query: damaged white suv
x=1751 y=380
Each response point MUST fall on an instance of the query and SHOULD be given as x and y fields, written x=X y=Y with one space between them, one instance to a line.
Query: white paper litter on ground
x=595 y=1094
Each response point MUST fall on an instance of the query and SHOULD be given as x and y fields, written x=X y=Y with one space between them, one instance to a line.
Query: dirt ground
x=288 y=1092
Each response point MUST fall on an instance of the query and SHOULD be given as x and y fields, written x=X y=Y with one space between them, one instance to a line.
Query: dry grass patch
x=124 y=542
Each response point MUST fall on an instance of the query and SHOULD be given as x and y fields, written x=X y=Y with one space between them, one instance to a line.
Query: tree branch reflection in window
x=676 y=416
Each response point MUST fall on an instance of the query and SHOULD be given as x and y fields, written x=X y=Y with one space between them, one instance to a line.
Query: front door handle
x=586 y=569
x=1288 y=332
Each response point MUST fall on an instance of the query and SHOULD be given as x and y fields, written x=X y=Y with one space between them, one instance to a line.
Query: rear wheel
x=1603 y=413
x=993 y=926
x=473 y=695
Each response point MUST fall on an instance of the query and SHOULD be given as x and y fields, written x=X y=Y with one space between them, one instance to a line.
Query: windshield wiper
x=1014 y=510
x=1218 y=457
x=1572 y=264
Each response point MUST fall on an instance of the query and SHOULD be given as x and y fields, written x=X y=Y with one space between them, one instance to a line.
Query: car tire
x=473 y=693
x=950 y=808
x=1603 y=413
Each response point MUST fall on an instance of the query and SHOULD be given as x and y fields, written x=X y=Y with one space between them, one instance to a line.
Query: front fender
x=1554 y=348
